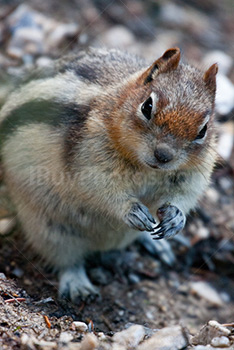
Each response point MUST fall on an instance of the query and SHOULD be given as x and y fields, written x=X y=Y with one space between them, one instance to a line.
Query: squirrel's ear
x=167 y=62
x=209 y=76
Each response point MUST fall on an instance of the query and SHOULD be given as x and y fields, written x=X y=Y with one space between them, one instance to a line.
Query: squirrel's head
x=164 y=114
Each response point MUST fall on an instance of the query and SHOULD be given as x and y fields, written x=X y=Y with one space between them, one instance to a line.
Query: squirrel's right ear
x=167 y=62
x=210 y=77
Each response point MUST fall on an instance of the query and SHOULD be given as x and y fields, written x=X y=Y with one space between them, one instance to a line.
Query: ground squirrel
x=99 y=145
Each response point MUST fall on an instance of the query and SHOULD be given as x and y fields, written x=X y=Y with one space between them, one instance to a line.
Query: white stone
x=208 y=332
x=220 y=342
x=224 y=61
x=61 y=32
x=6 y=225
x=203 y=232
x=223 y=330
x=212 y=194
x=131 y=337
x=224 y=95
x=80 y=326
x=118 y=36
x=65 y=337
x=207 y=292
x=168 y=338
x=90 y=342
x=44 y=61
x=29 y=40
x=2 y=276
x=225 y=144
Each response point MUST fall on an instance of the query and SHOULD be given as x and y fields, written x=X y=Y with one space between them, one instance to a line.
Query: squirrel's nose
x=163 y=154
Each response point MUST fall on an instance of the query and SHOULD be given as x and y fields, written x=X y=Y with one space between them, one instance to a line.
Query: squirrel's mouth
x=161 y=167
x=154 y=166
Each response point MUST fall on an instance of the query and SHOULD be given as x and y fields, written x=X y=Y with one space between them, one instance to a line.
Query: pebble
x=212 y=194
x=35 y=34
x=211 y=330
x=217 y=326
x=207 y=292
x=225 y=143
x=131 y=337
x=133 y=278
x=203 y=232
x=79 y=326
x=44 y=61
x=2 y=276
x=61 y=32
x=224 y=61
x=168 y=338
x=118 y=37
x=225 y=95
x=65 y=337
x=90 y=342
x=6 y=225
x=25 y=41
x=220 y=342
x=18 y=272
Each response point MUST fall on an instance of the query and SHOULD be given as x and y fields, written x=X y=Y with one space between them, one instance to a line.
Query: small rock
x=220 y=342
x=211 y=330
x=225 y=142
x=118 y=36
x=18 y=272
x=45 y=301
x=2 y=276
x=44 y=61
x=26 y=40
x=212 y=194
x=79 y=326
x=207 y=292
x=168 y=338
x=218 y=327
x=101 y=336
x=90 y=342
x=224 y=61
x=133 y=278
x=130 y=337
x=224 y=103
x=6 y=225
x=62 y=32
x=65 y=337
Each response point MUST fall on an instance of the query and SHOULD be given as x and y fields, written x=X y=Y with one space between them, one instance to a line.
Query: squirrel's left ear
x=167 y=62
x=209 y=77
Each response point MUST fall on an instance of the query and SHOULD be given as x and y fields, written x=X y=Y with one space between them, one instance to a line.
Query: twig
x=15 y=299
x=47 y=321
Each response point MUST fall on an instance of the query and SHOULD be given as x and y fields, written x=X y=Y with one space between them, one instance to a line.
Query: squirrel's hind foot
x=75 y=285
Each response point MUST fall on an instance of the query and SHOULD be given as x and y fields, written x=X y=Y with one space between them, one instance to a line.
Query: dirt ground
x=136 y=287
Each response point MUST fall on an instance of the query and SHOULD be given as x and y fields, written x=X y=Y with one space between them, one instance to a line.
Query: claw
x=159 y=237
x=162 y=229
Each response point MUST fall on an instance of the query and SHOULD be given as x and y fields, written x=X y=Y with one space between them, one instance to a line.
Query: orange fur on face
x=181 y=123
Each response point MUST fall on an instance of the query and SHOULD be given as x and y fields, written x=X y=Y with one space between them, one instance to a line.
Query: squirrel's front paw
x=172 y=221
x=140 y=218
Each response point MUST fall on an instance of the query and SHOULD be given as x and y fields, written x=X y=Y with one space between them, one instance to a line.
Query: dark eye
x=202 y=133
x=146 y=108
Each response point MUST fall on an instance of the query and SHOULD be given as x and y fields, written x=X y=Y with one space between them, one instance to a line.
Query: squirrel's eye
x=146 y=108
x=202 y=133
